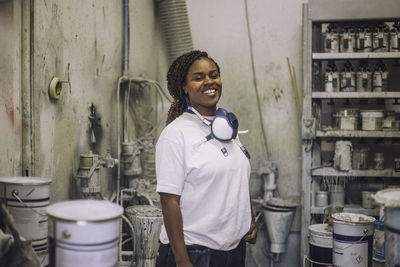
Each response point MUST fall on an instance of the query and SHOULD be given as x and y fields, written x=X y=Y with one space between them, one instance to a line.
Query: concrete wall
x=83 y=40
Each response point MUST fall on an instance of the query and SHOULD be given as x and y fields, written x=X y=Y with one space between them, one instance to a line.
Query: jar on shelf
x=380 y=37
x=396 y=164
x=348 y=78
x=389 y=121
x=342 y=157
x=346 y=119
x=371 y=120
x=360 y=158
x=331 y=78
x=331 y=43
x=379 y=161
x=347 y=40
x=394 y=44
x=379 y=78
x=363 y=39
x=364 y=78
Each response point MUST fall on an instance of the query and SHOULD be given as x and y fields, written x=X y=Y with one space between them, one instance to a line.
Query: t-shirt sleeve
x=169 y=167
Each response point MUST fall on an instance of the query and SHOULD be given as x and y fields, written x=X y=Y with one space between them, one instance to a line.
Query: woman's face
x=204 y=86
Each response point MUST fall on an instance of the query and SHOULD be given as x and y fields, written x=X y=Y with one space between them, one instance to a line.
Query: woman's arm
x=174 y=225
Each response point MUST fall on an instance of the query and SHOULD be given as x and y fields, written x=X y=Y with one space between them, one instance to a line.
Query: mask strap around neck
x=192 y=109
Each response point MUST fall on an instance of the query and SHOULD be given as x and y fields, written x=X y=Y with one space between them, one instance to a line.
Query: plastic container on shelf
x=371 y=120
x=394 y=43
x=363 y=39
x=331 y=78
x=380 y=38
x=331 y=37
x=347 y=40
x=389 y=121
x=364 y=78
x=348 y=78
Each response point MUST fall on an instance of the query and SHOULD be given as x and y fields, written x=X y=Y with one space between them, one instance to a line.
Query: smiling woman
x=204 y=193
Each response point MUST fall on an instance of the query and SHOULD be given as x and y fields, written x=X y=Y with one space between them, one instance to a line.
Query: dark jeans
x=205 y=257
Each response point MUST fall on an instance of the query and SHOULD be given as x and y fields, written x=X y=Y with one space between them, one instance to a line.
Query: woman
x=204 y=192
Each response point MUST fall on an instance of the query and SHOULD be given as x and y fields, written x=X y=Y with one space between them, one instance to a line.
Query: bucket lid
x=321 y=229
x=85 y=210
x=353 y=218
x=25 y=180
x=389 y=197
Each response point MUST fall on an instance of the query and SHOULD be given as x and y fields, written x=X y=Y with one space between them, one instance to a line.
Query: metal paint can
x=346 y=119
x=84 y=233
x=27 y=198
x=336 y=195
x=371 y=120
x=367 y=200
x=352 y=239
x=321 y=198
x=320 y=239
x=390 y=199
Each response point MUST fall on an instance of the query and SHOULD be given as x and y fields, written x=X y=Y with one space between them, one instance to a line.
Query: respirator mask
x=224 y=127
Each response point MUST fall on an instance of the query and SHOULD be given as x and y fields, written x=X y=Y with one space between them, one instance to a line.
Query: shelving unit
x=316 y=132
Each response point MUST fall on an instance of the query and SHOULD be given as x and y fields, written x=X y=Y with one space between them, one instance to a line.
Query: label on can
x=351 y=252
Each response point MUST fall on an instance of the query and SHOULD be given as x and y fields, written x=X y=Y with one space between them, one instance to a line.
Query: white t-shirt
x=214 y=189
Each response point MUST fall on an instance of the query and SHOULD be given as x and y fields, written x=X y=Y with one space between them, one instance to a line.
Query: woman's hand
x=251 y=236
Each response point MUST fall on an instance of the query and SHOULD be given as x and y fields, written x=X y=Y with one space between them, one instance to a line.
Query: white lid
x=25 y=180
x=321 y=229
x=85 y=210
x=372 y=113
x=389 y=197
x=353 y=218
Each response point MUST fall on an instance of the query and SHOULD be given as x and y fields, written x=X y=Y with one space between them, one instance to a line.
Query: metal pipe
x=126 y=38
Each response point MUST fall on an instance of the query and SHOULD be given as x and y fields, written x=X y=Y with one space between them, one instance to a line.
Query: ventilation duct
x=175 y=25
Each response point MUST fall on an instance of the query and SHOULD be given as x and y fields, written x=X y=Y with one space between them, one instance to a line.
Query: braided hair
x=176 y=78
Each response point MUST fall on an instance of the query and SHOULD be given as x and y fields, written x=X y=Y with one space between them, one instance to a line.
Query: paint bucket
x=352 y=239
x=336 y=194
x=390 y=199
x=321 y=242
x=379 y=241
x=26 y=199
x=147 y=221
x=84 y=233
x=371 y=120
x=321 y=198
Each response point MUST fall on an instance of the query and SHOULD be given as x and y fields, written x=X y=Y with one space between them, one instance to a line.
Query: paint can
x=390 y=199
x=27 y=198
x=147 y=221
x=379 y=241
x=367 y=200
x=342 y=157
x=321 y=198
x=84 y=233
x=346 y=119
x=336 y=195
x=352 y=239
x=371 y=120
x=320 y=239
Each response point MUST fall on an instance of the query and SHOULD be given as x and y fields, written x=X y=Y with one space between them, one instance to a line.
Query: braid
x=176 y=78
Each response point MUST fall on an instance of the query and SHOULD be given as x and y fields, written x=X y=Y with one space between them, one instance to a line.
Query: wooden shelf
x=358 y=134
x=328 y=95
x=349 y=208
x=329 y=171
x=344 y=56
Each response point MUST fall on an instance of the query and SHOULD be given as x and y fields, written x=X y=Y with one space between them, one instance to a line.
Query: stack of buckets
x=357 y=239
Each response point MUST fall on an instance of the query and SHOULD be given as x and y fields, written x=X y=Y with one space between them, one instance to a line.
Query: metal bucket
x=321 y=244
x=371 y=120
x=147 y=221
x=27 y=199
x=84 y=233
x=352 y=239
x=390 y=198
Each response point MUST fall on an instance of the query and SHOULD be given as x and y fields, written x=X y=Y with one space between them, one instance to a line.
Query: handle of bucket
x=14 y=193
x=365 y=234
x=307 y=259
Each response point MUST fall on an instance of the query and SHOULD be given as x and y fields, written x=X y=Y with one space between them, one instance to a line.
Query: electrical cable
x=255 y=80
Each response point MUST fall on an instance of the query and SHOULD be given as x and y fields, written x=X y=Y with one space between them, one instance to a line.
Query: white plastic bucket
x=321 y=244
x=372 y=120
x=26 y=199
x=390 y=199
x=84 y=233
x=352 y=239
